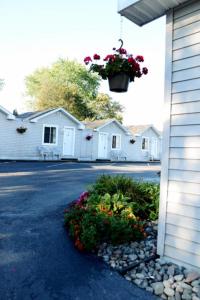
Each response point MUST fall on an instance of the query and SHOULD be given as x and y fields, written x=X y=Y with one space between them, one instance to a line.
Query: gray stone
x=138 y=281
x=165 y=277
x=178 y=277
x=106 y=258
x=192 y=276
x=171 y=270
x=144 y=284
x=186 y=295
x=171 y=298
x=196 y=290
x=149 y=289
x=166 y=284
x=195 y=298
x=185 y=286
x=127 y=277
x=169 y=292
x=179 y=289
x=163 y=296
x=140 y=276
x=177 y=296
x=132 y=257
x=158 y=288
x=195 y=283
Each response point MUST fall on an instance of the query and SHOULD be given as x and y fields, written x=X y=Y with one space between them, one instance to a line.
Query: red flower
x=109 y=57
x=139 y=58
x=145 y=71
x=96 y=56
x=131 y=60
x=87 y=60
x=122 y=51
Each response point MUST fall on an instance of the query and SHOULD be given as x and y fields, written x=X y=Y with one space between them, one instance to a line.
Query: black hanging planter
x=119 y=82
x=21 y=129
x=132 y=141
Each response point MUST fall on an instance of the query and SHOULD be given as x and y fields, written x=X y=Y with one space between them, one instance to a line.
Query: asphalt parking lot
x=37 y=259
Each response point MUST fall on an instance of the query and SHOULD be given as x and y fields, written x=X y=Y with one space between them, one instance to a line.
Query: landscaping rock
x=158 y=288
x=179 y=277
x=192 y=276
x=169 y=292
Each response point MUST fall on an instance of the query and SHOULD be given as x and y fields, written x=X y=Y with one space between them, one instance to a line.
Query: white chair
x=56 y=153
x=118 y=155
x=44 y=152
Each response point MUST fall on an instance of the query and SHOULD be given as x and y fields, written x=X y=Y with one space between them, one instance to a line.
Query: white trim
x=10 y=116
x=120 y=141
x=146 y=138
x=74 y=137
x=35 y=119
x=50 y=144
x=166 y=136
x=106 y=133
x=118 y=123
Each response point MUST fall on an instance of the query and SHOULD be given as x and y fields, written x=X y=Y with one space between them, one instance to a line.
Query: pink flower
x=96 y=56
x=83 y=197
x=145 y=71
x=87 y=59
x=139 y=58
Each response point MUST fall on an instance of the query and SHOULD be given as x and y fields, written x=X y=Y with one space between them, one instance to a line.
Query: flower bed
x=113 y=211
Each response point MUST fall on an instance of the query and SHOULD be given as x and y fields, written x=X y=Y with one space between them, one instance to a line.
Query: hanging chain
x=121 y=27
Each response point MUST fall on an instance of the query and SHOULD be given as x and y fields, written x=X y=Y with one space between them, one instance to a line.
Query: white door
x=103 y=145
x=68 y=141
x=154 y=148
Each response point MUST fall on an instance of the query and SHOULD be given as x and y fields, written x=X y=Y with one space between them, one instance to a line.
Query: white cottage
x=147 y=146
x=50 y=134
x=179 y=220
x=110 y=140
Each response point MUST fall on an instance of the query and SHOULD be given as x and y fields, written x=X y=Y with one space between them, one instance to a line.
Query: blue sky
x=36 y=33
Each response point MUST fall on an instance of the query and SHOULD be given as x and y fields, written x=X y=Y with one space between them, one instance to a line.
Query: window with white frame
x=116 y=141
x=49 y=135
x=145 y=143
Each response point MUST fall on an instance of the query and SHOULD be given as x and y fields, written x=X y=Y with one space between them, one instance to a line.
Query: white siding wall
x=179 y=240
x=137 y=154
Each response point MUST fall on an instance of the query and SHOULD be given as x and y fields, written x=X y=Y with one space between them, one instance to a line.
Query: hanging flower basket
x=21 y=129
x=132 y=141
x=88 y=137
x=119 y=82
x=119 y=68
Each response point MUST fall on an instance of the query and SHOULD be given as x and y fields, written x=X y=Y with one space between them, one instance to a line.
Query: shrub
x=144 y=196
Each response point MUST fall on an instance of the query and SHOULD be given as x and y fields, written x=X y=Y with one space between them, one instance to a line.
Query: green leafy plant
x=114 y=210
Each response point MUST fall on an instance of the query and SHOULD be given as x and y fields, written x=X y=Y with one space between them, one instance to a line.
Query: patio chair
x=44 y=152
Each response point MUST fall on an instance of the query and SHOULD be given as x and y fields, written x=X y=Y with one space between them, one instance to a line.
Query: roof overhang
x=127 y=132
x=9 y=115
x=66 y=113
x=142 y=12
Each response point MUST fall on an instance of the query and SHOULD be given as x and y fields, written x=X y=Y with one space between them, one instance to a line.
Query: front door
x=154 y=148
x=103 y=145
x=68 y=141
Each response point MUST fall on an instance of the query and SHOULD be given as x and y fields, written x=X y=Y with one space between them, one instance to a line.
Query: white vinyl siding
x=181 y=233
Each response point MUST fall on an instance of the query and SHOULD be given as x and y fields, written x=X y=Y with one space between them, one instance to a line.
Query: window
x=49 y=135
x=145 y=143
x=116 y=141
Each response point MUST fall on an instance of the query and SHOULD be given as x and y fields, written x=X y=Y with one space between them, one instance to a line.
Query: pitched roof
x=96 y=124
x=99 y=124
x=32 y=114
x=139 y=129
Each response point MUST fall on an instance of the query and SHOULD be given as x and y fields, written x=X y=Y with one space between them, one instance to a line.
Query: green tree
x=69 y=85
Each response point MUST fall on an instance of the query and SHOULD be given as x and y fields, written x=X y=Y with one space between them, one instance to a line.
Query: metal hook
x=122 y=43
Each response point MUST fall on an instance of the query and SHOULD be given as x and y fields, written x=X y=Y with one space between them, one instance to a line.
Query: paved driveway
x=37 y=259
